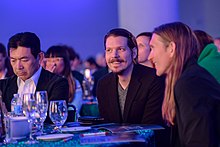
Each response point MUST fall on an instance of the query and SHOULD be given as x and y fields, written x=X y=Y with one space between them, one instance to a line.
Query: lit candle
x=87 y=73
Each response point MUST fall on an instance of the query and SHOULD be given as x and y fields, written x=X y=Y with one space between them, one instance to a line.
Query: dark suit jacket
x=56 y=87
x=79 y=76
x=197 y=96
x=98 y=75
x=143 y=102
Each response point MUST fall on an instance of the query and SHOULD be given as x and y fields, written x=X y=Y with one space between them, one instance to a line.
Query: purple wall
x=81 y=24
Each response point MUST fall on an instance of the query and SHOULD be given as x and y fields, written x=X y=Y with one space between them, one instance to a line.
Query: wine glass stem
x=30 y=135
x=7 y=129
x=42 y=128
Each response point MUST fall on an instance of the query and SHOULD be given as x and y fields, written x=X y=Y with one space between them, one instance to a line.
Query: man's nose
x=19 y=64
x=115 y=53
x=150 y=55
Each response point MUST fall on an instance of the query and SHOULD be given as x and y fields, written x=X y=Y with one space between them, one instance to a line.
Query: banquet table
x=110 y=139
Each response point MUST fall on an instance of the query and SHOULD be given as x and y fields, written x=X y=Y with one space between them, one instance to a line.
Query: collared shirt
x=29 y=85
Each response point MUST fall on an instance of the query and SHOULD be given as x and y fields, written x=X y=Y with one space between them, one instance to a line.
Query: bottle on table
x=16 y=105
x=87 y=85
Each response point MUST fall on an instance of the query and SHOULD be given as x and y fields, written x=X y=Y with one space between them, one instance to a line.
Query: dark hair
x=3 y=50
x=91 y=60
x=147 y=34
x=61 y=51
x=203 y=38
x=77 y=56
x=26 y=39
x=71 y=52
x=125 y=33
x=7 y=61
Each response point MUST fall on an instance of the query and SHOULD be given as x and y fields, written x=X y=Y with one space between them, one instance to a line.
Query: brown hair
x=186 y=47
x=125 y=33
x=203 y=38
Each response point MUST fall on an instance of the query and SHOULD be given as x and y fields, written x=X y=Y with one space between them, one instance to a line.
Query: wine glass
x=41 y=113
x=58 y=113
x=29 y=109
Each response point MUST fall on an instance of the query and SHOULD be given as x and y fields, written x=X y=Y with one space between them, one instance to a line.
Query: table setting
x=73 y=134
x=30 y=128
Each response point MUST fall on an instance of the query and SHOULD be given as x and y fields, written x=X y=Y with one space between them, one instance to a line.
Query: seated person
x=209 y=57
x=192 y=95
x=25 y=57
x=5 y=66
x=90 y=63
x=217 y=43
x=98 y=75
x=131 y=93
x=57 y=61
x=143 y=40
x=75 y=63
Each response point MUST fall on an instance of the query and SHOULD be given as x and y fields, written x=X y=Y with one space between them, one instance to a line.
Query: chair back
x=71 y=113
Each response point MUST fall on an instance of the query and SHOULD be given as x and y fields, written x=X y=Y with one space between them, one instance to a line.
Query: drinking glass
x=7 y=123
x=29 y=109
x=41 y=113
x=58 y=113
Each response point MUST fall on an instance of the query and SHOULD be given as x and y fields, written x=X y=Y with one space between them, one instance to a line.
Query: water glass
x=8 y=136
x=29 y=108
x=41 y=113
x=58 y=113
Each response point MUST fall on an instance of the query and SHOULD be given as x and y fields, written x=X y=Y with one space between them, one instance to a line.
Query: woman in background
x=57 y=61
x=5 y=65
x=209 y=57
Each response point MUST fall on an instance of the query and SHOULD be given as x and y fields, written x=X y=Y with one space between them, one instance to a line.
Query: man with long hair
x=192 y=96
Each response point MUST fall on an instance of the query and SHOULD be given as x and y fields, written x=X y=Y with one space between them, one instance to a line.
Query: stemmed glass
x=29 y=109
x=41 y=113
x=58 y=113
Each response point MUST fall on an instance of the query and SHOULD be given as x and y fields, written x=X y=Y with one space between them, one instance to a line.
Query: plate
x=75 y=129
x=54 y=137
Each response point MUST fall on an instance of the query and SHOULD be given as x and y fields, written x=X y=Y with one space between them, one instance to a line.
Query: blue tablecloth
x=148 y=136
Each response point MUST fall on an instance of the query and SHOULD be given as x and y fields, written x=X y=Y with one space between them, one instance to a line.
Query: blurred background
x=82 y=24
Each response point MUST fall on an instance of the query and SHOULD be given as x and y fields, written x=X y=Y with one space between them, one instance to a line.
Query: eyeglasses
x=54 y=59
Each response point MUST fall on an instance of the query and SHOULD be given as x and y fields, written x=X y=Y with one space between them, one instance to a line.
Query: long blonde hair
x=186 y=47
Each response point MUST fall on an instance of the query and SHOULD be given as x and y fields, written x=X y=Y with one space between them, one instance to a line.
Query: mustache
x=116 y=60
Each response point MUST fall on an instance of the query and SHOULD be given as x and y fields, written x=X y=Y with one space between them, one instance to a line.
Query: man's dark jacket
x=56 y=87
x=143 y=101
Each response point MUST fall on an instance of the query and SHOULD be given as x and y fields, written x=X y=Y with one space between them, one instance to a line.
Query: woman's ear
x=172 y=48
